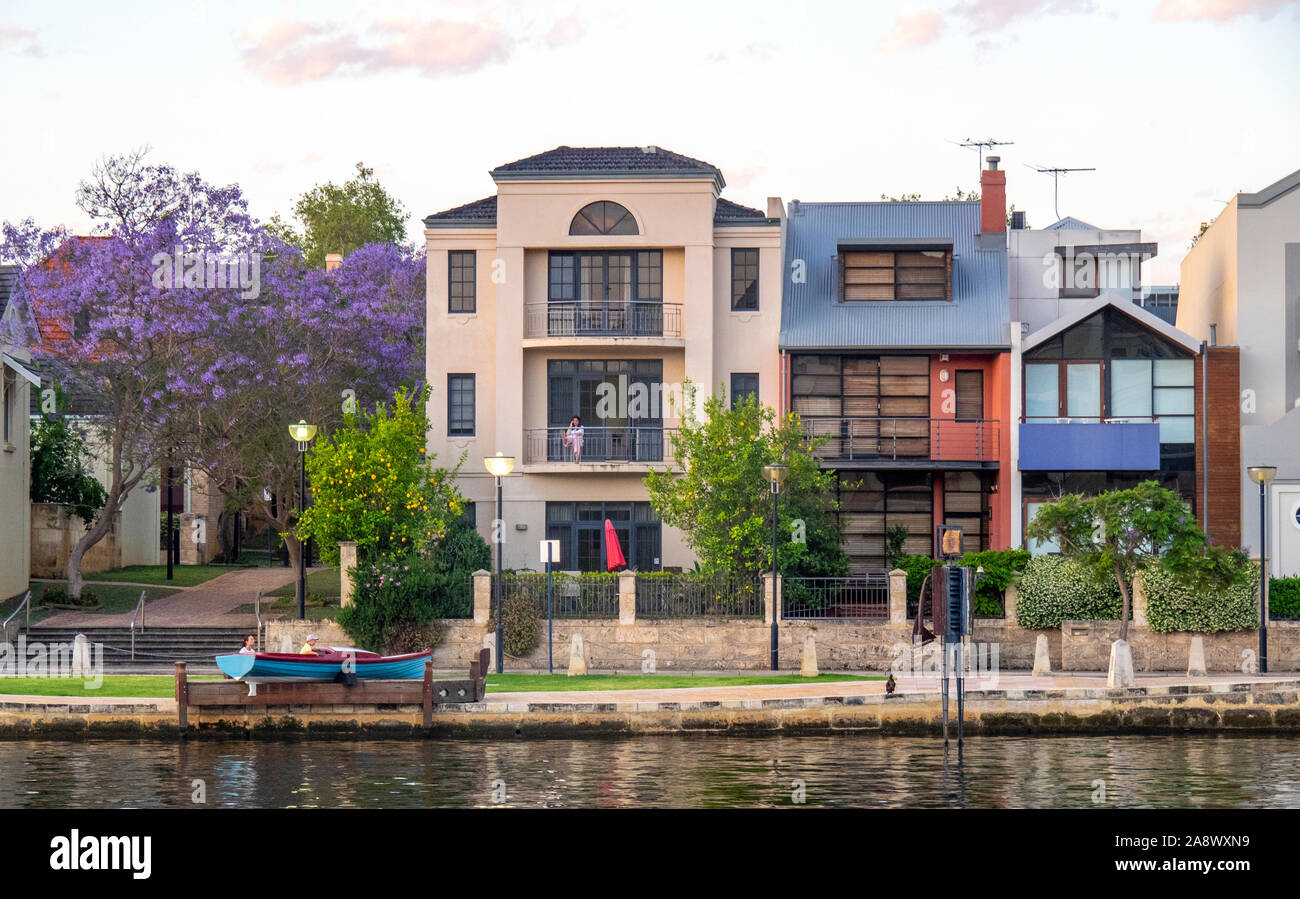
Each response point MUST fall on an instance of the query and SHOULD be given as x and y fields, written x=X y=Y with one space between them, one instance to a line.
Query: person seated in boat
x=250 y=645
x=309 y=648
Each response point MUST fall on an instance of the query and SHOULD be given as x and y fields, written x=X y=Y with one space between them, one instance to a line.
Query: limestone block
x=1042 y=659
x=1196 y=657
x=577 y=656
x=1120 y=673
x=80 y=656
x=347 y=560
x=809 y=666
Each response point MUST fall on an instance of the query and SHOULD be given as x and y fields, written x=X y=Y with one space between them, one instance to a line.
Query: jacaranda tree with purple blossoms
x=194 y=337
x=1121 y=532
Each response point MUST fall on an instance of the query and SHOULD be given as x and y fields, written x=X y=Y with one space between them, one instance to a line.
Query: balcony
x=603 y=449
x=1064 y=444
x=597 y=320
x=910 y=442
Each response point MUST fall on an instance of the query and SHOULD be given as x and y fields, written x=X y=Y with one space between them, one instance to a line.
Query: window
x=1049 y=546
x=970 y=395
x=743 y=384
x=603 y=217
x=1042 y=390
x=965 y=504
x=461 y=281
x=872 y=502
x=895 y=275
x=620 y=402
x=744 y=279
x=865 y=405
x=580 y=528
x=1078 y=275
x=460 y=404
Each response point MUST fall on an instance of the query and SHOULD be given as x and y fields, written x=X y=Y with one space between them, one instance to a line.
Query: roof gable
x=1127 y=307
x=607 y=162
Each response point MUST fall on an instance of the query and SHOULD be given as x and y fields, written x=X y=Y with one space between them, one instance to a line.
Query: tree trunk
x=1124 y=612
x=96 y=532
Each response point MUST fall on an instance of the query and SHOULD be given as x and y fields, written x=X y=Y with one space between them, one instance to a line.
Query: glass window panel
x=1178 y=429
x=1039 y=547
x=1175 y=401
x=1083 y=391
x=1084 y=340
x=1042 y=389
x=1175 y=373
x=1130 y=387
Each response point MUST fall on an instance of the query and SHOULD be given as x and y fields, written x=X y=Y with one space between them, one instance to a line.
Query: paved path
x=212 y=603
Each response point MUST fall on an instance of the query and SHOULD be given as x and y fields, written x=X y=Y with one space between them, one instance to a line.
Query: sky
x=1178 y=104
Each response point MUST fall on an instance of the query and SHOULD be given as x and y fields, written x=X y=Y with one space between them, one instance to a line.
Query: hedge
x=1176 y=606
x=1284 y=597
x=1054 y=589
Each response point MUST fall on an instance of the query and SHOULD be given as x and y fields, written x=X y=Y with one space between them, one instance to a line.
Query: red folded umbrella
x=613 y=552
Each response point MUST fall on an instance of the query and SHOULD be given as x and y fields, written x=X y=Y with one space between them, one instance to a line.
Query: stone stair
x=156 y=648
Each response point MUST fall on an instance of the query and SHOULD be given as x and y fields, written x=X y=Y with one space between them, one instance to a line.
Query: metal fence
x=904 y=438
x=573 y=596
x=600 y=444
x=862 y=596
x=665 y=595
x=603 y=319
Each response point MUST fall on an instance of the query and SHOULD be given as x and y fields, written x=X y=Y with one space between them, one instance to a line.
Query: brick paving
x=209 y=604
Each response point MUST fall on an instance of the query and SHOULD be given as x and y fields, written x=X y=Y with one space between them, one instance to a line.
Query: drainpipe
x=1205 y=436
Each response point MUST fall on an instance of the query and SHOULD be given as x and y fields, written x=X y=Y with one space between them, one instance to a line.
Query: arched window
x=603 y=217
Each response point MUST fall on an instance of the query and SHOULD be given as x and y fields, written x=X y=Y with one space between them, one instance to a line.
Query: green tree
x=373 y=482
x=60 y=467
x=340 y=219
x=1122 y=532
x=723 y=504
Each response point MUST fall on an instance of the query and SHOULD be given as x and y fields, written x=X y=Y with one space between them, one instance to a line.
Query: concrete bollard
x=1042 y=658
x=577 y=657
x=490 y=644
x=1196 y=658
x=809 y=666
x=1120 y=673
x=347 y=561
x=80 y=656
x=286 y=643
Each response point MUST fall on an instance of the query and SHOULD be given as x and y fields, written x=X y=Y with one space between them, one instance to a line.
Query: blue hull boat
x=276 y=667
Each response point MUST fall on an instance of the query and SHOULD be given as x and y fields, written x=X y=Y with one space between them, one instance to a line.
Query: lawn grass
x=324 y=581
x=164 y=686
x=543 y=683
x=182 y=575
x=113 y=598
x=135 y=685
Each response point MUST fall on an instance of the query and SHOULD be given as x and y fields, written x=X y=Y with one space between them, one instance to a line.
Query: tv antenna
x=981 y=145
x=1056 y=173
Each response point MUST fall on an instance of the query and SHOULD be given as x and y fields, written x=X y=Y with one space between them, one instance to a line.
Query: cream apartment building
x=594 y=282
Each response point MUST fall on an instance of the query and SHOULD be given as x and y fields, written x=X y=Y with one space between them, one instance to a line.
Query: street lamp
x=1261 y=475
x=499 y=466
x=303 y=433
x=775 y=474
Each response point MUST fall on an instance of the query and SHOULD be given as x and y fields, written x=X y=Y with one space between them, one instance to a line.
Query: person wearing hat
x=309 y=648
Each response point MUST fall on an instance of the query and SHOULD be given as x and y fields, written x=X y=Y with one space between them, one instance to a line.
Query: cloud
x=1219 y=10
x=743 y=176
x=293 y=52
x=912 y=29
x=564 y=31
x=23 y=40
x=995 y=15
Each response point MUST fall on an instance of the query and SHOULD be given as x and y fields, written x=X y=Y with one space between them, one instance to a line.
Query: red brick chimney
x=993 y=198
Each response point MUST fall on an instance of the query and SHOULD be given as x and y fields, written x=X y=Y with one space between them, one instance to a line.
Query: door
x=1284 y=520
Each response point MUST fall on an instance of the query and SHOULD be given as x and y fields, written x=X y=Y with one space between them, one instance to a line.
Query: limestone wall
x=55 y=531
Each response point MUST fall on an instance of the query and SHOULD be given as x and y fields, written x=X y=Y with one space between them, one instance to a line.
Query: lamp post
x=775 y=474
x=499 y=466
x=1261 y=475
x=303 y=433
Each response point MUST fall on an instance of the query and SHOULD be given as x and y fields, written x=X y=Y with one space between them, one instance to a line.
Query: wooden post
x=478 y=674
x=428 y=692
x=182 y=697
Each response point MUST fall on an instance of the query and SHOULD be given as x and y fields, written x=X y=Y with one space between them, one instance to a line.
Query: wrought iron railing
x=573 y=595
x=904 y=438
x=599 y=444
x=669 y=595
x=861 y=596
x=638 y=318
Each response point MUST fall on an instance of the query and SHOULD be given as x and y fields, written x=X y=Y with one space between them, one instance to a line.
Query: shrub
x=457 y=556
x=1284 y=597
x=1180 y=604
x=1001 y=567
x=1054 y=589
x=391 y=598
x=412 y=637
x=521 y=625
x=917 y=567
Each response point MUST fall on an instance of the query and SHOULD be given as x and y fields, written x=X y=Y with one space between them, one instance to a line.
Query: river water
x=849 y=770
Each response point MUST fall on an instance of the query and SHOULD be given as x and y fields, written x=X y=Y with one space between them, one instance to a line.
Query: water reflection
x=661 y=771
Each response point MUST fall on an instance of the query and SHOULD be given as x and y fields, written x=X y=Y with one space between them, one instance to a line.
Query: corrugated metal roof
x=977 y=316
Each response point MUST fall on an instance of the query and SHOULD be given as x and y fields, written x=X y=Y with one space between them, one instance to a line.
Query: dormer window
x=603 y=217
x=871 y=273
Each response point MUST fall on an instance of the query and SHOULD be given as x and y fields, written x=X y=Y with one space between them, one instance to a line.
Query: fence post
x=626 y=598
x=347 y=561
x=482 y=596
x=1010 y=597
x=1139 y=602
x=767 y=597
x=898 y=596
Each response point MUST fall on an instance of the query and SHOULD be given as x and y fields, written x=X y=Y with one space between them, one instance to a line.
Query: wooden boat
x=328 y=664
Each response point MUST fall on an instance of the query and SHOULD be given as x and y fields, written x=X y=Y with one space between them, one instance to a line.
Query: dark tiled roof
x=729 y=213
x=480 y=213
x=622 y=162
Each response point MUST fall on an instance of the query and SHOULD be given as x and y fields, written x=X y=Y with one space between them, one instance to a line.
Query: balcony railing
x=893 y=439
x=612 y=319
x=639 y=443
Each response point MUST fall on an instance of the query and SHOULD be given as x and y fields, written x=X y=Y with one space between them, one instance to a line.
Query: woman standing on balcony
x=573 y=437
